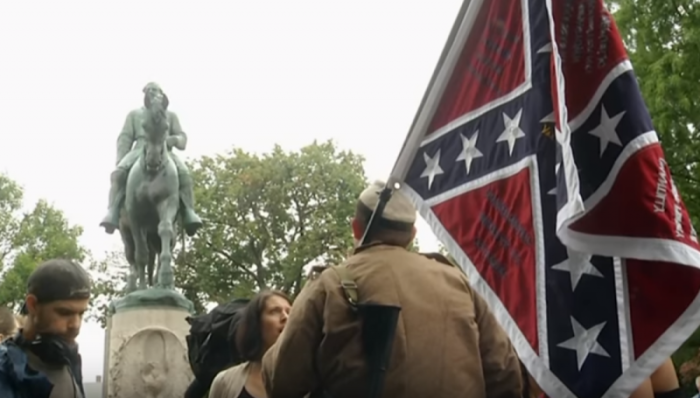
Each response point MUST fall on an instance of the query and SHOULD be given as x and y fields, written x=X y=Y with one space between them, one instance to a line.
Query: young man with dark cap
x=447 y=342
x=42 y=360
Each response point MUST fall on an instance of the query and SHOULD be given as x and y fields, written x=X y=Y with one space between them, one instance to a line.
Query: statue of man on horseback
x=130 y=145
x=151 y=187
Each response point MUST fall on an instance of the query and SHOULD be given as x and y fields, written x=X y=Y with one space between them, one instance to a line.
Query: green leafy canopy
x=266 y=217
x=29 y=238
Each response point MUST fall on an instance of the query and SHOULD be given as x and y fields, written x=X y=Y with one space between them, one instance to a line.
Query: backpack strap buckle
x=347 y=284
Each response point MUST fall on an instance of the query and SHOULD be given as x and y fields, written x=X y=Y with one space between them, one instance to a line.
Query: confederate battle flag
x=534 y=160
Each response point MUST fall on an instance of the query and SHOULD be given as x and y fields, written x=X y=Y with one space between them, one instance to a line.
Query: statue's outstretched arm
x=127 y=137
x=180 y=141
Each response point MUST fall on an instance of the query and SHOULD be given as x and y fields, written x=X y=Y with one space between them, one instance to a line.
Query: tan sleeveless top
x=230 y=382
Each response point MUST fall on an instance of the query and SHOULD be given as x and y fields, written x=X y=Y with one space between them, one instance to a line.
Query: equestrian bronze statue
x=151 y=189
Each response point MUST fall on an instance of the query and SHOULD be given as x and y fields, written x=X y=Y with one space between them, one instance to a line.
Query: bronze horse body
x=151 y=205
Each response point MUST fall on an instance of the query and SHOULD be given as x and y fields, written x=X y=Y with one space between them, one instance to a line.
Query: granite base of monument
x=145 y=347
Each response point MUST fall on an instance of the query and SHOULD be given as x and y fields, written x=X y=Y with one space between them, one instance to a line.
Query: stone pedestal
x=146 y=351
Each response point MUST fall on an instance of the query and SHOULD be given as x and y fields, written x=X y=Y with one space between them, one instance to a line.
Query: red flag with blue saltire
x=534 y=160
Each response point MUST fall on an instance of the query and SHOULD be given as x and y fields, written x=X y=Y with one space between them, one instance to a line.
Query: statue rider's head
x=153 y=90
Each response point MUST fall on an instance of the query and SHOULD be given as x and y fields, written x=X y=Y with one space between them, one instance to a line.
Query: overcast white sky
x=238 y=73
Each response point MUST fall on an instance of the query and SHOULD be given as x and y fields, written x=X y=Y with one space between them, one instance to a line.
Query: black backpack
x=210 y=344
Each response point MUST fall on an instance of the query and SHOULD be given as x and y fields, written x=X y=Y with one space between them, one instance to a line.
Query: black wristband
x=669 y=394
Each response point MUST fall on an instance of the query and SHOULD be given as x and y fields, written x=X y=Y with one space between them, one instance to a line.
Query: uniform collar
x=362 y=248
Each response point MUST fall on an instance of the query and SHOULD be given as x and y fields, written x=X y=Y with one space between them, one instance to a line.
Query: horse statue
x=151 y=205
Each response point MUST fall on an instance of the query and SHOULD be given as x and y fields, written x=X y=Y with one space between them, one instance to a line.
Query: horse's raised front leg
x=167 y=210
x=140 y=253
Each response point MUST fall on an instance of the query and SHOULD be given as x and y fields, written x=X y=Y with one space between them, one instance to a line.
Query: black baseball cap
x=58 y=279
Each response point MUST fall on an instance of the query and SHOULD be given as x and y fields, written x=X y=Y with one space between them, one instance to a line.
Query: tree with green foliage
x=29 y=238
x=266 y=217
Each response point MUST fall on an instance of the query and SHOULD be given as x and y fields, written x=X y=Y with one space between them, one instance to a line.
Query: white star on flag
x=548 y=119
x=512 y=131
x=577 y=265
x=469 y=150
x=584 y=342
x=547 y=48
x=432 y=167
x=605 y=131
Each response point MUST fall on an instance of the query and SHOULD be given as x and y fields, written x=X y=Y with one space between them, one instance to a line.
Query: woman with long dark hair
x=263 y=321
